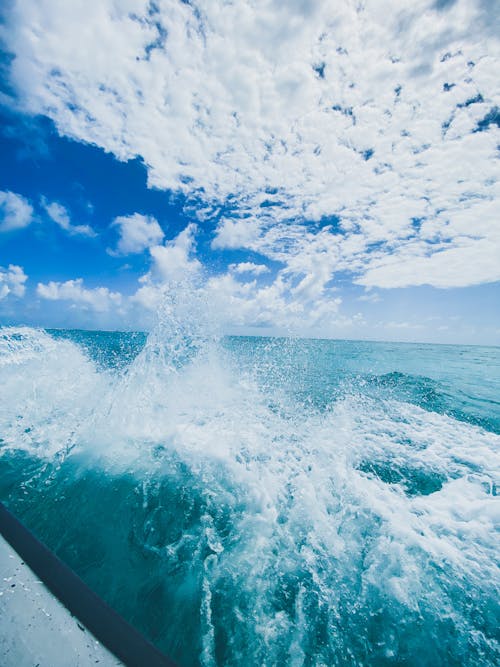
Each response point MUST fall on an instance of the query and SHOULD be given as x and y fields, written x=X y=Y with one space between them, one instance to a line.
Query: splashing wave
x=238 y=522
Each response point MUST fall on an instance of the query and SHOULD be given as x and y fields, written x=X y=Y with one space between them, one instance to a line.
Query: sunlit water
x=251 y=501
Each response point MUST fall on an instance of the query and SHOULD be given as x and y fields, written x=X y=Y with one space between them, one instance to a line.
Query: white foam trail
x=47 y=389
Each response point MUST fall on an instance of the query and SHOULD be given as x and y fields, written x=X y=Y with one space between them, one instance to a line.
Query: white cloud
x=59 y=214
x=286 y=302
x=249 y=267
x=236 y=233
x=475 y=262
x=137 y=232
x=274 y=305
x=402 y=325
x=370 y=297
x=15 y=211
x=12 y=281
x=148 y=296
x=172 y=264
x=100 y=299
x=287 y=114
x=175 y=260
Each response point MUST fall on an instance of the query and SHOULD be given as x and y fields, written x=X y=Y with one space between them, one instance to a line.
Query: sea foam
x=237 y=521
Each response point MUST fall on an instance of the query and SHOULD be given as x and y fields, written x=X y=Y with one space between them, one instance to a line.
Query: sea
x=251 y=501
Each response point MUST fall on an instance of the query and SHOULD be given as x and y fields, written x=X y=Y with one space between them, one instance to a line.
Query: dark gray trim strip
x=118 y=636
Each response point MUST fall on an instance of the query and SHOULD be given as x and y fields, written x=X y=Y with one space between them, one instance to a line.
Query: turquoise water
x=257 y=501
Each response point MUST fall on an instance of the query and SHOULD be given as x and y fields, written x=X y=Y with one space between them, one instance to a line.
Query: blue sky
x=311 y=170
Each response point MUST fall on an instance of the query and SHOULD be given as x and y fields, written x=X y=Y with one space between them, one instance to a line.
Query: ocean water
x=258 y=501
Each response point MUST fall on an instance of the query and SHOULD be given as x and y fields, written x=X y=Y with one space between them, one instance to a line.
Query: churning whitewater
x=248 y=501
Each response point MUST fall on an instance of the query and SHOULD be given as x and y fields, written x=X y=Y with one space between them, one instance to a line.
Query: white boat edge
x=36 y=630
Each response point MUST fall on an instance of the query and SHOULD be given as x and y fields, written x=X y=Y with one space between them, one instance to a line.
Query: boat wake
x=239 y=514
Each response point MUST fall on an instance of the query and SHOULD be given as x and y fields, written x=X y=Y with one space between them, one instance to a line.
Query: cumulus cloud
x=297 y=297
x=385 y=118
x=273 y=305
x=59 y=214
x=99 y=299
x=249 y=267
x=12 y=281
x=15 y=211
x=172 y=263
x=175 y=260
x=236 y=233
x=137 y=232
x=473 y=262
